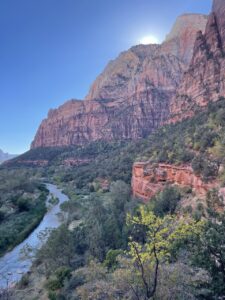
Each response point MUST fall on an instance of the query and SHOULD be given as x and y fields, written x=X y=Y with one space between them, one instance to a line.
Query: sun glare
x=150 y=39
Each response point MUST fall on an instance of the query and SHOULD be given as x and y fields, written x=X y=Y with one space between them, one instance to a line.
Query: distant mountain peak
x=5 y=156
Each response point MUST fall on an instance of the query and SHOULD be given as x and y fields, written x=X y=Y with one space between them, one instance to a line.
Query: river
x=12 y=267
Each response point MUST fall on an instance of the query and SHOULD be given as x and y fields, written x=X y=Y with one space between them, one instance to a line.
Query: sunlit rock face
x=149 y=179
x=204 y=81
x=181 y=39
x=131 y=98
x=160 y=65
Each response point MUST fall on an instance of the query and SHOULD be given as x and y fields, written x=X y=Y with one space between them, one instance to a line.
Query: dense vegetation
x=22 y=206
x=112 y=247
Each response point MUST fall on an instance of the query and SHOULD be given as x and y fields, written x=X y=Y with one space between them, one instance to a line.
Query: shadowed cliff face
x=219 y=10
x=130 y=99
x=204 y=80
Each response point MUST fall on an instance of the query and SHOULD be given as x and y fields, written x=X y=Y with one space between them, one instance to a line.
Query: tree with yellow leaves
x=161 y=236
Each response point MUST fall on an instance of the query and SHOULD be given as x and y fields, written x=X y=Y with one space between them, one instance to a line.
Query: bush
x=23 y=204
x=206 y=168
x=198 y=164
x=111 y=259
x=63 y=273
x=24 y=281
x=166 y=202
x=53 y=284
x=52 y=296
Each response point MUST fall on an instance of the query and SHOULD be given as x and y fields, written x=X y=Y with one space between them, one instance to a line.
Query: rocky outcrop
x=130 y=99
x=148 y=179
x=204 y=81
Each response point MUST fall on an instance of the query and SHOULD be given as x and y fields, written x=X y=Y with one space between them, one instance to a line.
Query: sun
x=149 y=39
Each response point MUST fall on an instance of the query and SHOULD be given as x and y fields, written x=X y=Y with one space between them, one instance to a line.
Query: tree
x=162 y=234
x=120 y=196
x=95 y=229
x=208 y=252
x=166 y=202
x=23 y=204
x=58 y=251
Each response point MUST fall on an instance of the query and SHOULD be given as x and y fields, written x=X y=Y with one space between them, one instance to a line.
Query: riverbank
x=12 y=266
x=21 y=211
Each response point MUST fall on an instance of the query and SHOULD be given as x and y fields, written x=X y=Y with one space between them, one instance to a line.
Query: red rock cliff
x=148 y=179
x=204 y=81
x=131 y=97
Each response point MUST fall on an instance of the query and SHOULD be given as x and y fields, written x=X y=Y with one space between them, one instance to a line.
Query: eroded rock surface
x=204 y=81
x=131 y=98
x=149 y=179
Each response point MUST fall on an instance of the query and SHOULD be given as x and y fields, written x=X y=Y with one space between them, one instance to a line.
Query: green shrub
x=53 y=284
x=24 y=281
x=166 y=202
x=56 y=282
x=63 y=273
x=111 y=258
x=23 y=204
x=52 y=296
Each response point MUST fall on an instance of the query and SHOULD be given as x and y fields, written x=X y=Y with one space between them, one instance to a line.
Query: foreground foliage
x=158 y=252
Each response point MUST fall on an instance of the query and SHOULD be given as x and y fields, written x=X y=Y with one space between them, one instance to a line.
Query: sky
x=52 y=50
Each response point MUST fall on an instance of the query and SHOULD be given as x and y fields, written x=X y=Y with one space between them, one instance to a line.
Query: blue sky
x=52 y=50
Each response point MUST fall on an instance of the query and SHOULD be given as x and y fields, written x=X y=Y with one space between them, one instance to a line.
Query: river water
x=12 y=266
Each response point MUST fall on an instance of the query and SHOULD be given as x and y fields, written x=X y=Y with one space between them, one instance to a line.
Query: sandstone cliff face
x=181 y=39
x=79 y=122
x=148 y=179
x=160 y=65
x=130 y=98
x=204 y=81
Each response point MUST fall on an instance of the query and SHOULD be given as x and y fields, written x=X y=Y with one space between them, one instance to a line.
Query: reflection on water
x=12 y=266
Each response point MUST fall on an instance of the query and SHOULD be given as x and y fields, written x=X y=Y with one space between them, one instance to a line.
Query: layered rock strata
x=204 y=81
x=131 y=98
x=149 y=179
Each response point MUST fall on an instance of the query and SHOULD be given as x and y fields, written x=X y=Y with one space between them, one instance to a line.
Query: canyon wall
x=131 y=98
x=204 y=81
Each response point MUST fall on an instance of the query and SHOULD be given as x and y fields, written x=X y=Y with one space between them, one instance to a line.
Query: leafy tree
x=208 y=252
x=94 y=228
x=58 y=251
x=162 y=234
